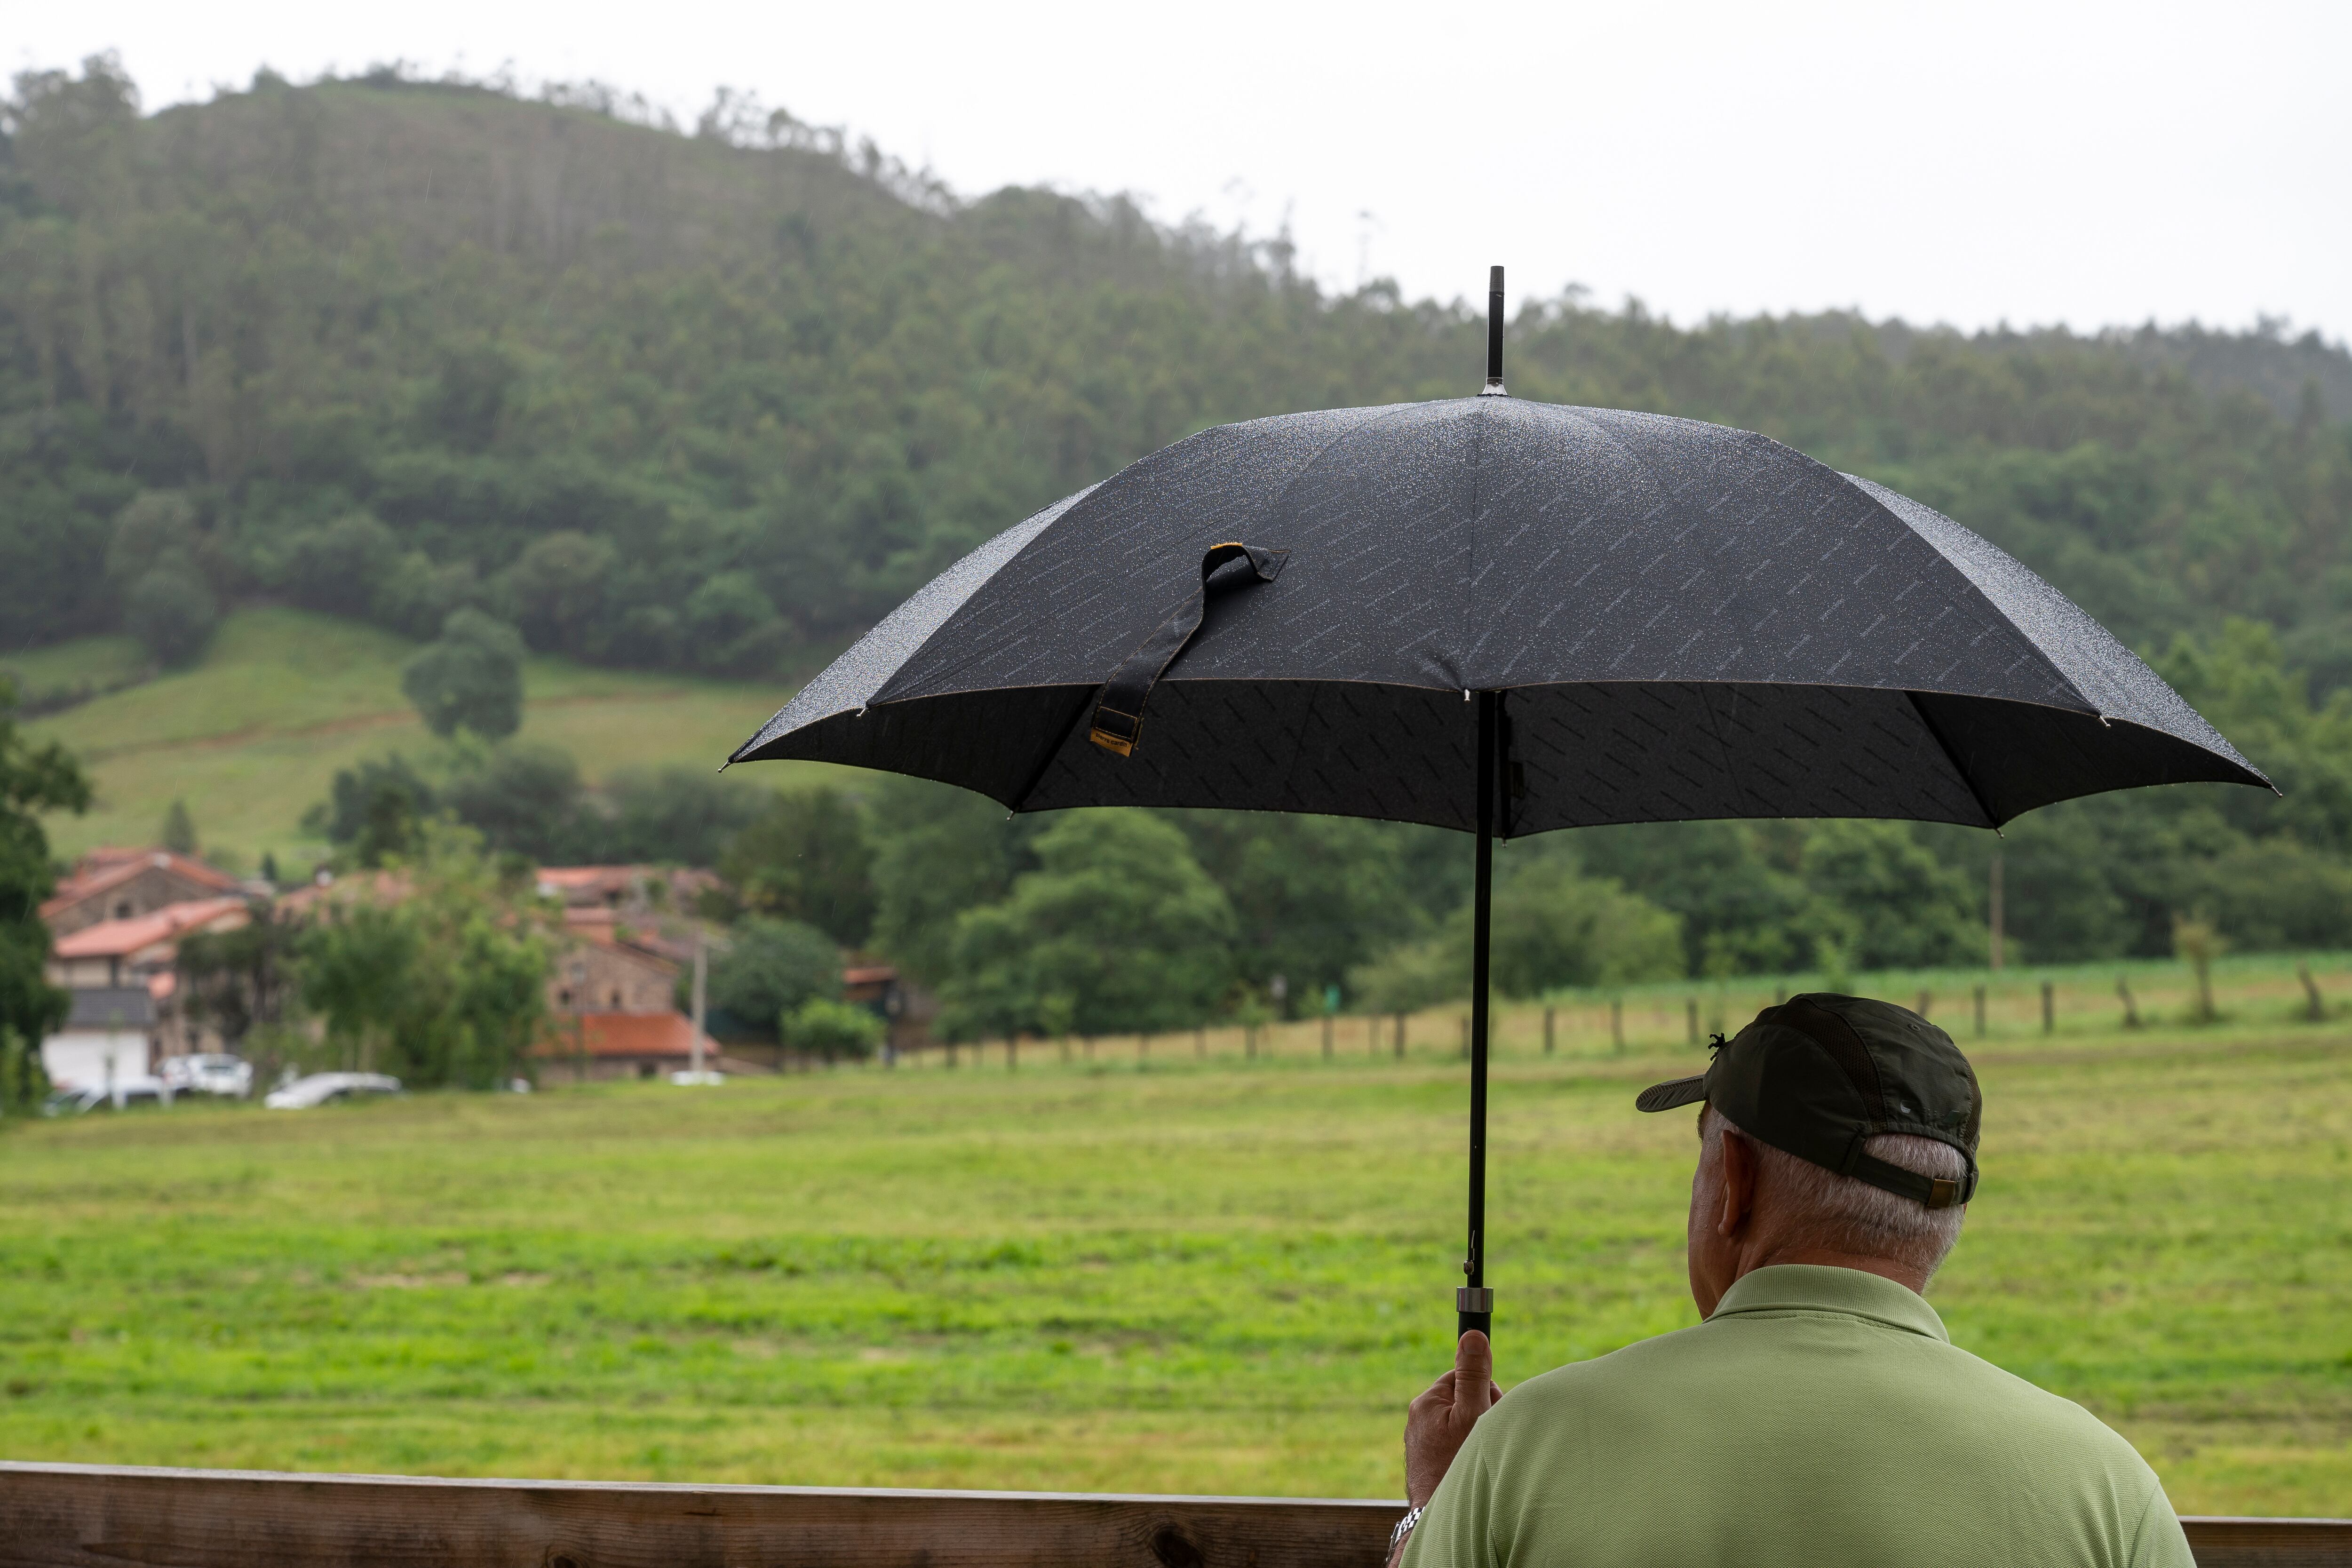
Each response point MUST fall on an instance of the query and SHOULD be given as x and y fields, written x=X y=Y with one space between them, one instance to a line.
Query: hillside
x=702 y=403
x=253 y=735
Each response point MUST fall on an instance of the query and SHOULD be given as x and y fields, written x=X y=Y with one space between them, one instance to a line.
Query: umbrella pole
x=1473 y=1303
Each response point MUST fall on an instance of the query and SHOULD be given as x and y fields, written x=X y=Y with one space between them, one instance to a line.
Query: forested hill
x=719 y=400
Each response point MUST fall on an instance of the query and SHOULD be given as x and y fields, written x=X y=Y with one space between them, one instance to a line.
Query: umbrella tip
x=1494 y=388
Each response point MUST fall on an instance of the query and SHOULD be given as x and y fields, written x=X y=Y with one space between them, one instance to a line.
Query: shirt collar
x=1811 y=1288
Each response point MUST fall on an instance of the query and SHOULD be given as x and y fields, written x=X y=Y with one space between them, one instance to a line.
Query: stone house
x=124 y=884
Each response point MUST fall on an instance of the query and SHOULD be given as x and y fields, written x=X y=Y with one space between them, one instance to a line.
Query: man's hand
x=1440 y=1420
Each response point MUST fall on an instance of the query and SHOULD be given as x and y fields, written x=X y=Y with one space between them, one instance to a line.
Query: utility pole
x=701 y=980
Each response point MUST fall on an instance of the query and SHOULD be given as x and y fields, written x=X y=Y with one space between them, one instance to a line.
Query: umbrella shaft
x=1473 y=1306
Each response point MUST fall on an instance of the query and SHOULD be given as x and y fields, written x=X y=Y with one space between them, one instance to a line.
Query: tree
x=559 y=587
x=768 y=969
x=524 y=799
x=171 y=611
x=442 y=978
x=805 y=858
x=1118 y=928
x=471 y=678
x=732 y=627
x=378 y=809
x=940 y=851
x=1901 y=907
x=33 y=779
x=1553 y=927
x=342 y=566
x=241 y=980
x=675 y=815
x=1313 y=896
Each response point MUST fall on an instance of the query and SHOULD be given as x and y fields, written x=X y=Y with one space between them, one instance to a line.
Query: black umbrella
x=1505 y=617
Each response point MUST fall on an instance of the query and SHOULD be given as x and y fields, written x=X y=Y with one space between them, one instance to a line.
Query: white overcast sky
x=1970 y=164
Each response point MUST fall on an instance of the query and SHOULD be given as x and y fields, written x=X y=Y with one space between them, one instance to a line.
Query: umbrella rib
x=1061 y=738
x=1936 y=733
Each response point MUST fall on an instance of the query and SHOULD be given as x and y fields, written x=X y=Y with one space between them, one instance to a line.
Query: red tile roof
x=121 y=939
x=103 y=868
x=622 y=1034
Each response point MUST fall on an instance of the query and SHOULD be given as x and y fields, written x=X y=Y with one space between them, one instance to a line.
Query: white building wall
x=79 y=1058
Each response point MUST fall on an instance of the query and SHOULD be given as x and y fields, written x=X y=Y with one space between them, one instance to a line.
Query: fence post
x=1550 y=1013
x=951 y=1061
x=1400 y=1036
x=2131 y=1008
x=1980 y=1012
x=2314 y=1005
x=1693 y=1022
x=1617 y=1024
x=2049 y=1008
x=1927 y=1000
x=1465 y=1037
x=1249 y=1042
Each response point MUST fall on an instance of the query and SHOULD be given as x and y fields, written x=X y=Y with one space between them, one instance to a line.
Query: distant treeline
x=1110 y=921
x=390 y=348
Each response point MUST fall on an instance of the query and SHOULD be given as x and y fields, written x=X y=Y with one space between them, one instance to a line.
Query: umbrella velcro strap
x=1117 y=724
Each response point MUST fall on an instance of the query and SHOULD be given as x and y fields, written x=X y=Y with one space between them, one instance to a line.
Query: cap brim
x=1673 y=1092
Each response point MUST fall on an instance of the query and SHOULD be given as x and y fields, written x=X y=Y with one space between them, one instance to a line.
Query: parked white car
x=211 y=1072
x=321 y=1087
x=76 y=1099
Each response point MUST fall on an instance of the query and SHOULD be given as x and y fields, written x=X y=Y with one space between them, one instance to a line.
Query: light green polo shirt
x=1820 y=1417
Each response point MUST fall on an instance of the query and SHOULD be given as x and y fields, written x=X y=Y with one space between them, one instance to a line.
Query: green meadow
x=252 y=734
x=1136 y=1266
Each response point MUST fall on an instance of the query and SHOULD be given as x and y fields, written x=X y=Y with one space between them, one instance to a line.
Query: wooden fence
x=83 y=1516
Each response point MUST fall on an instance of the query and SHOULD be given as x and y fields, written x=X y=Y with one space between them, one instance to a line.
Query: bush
x=820 y=1027
x=471 y=678
x=171 y=611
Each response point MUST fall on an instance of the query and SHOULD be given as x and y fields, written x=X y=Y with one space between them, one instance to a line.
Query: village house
x=614 y=990
x=117 y=884
x=116 y=925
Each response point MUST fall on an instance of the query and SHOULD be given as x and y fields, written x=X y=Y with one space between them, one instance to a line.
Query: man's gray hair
x=1852 y=1215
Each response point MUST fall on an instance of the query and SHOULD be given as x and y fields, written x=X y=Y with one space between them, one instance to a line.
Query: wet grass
x=1200 y=1276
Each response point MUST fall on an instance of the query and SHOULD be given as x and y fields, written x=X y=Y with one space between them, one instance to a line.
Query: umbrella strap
x=1118 y=706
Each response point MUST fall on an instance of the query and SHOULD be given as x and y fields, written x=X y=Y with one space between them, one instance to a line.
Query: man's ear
x=1738 y=1166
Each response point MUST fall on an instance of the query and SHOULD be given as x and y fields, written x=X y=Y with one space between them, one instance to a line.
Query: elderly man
x=1818 y=1415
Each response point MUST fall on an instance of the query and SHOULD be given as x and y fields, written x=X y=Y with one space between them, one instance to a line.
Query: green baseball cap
x=1821 y=1075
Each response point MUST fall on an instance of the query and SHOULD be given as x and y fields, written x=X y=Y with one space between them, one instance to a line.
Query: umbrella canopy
x=1689 y=621
x=1503 y=616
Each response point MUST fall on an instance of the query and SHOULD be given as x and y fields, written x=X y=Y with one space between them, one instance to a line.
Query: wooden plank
x=86 y=1516
x=2218 y=1543
x=70 y=1515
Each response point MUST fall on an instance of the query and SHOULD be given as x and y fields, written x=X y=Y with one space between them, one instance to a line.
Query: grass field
x=252 y=736
x=1180 y=1274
